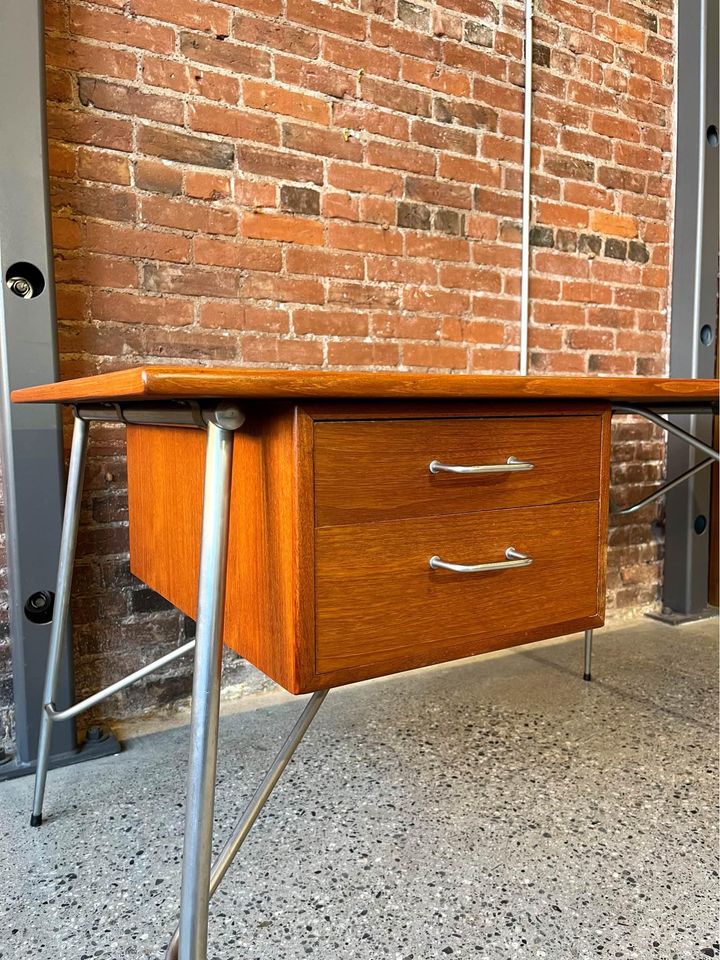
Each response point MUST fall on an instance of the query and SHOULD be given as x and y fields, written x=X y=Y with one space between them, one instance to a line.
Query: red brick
x=562 y=215
x=133 y=308
x=160 y=72
x=320 y=77
x=102 y=167
x=493 y=361
x=435 y=301
x=443 y=137
x=366 y=119
x=330 y=323
x=405 y=327
x=265 y=96
x=364 y=180
x=99 y=24
x=283 y=289
x=281 y=165
x=233 y=316
x=340 y=206
x=62 y=160
x=615 y=225
x=400 y=158
x=326 y=143
x=434 y=356
x=323 y=16
x=207 y=186
x=360 y=56
x=396 y=97
x=469 y=171
x=325 y=263
x=184 y=148
x=273 y=350
x=616 y=127
x=236 y=57
x=71 y=126
x=265 y=226
x=67 y=234
x=437 y=247
x=158 y=177
x=185 y=13
x=81 y=56
x=240 y=254
x=183 y=214
x=455 y=83
x=132 y=242
x=405 y=41
x=279 y=36
x=104 y=201
x=364 y=238
x=121 y=98
x=355 y=353
x=234 y=124
x=362 y=294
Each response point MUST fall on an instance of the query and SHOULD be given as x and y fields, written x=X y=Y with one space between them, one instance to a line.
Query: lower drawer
x=378 y=602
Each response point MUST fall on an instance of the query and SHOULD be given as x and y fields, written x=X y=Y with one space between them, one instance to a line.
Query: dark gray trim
x=693 y=328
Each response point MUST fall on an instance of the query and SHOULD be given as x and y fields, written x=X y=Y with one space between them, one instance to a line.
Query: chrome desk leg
x=68 y=541
x=197 y=849
x=257 y=802
x=588 y=655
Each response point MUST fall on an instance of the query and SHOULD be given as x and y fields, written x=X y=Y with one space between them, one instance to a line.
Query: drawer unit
x=336 y=514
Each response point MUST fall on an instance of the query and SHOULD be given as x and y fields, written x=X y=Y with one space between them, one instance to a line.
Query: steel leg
x=197 y=850
x=68 y=541
x=257 y=802
x=588 y=655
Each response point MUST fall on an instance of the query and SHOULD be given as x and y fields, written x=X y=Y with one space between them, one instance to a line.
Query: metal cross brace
x=712 y=455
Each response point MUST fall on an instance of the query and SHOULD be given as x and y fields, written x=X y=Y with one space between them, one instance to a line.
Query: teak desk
x=332 y=527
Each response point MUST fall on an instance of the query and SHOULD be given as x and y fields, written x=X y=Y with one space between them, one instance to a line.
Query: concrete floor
x=494 y=809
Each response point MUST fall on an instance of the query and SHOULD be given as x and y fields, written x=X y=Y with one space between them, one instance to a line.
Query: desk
x=332 y=527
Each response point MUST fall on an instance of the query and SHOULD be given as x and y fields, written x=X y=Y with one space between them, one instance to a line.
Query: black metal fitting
x=39 y=606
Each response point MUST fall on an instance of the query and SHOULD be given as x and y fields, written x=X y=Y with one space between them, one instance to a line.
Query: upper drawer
x=369 y=470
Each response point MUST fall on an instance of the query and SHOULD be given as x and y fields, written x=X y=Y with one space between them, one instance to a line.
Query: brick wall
x=339 y=184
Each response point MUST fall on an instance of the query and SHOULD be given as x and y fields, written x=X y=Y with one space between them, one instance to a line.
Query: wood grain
x=379 y=602
x=379 y=470
x=174 y=382
x=269 y=606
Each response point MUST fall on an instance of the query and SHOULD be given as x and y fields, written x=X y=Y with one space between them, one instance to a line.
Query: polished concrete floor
x=495 y=809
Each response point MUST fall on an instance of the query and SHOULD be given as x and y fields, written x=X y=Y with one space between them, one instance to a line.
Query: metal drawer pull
x=514 y=559
x=512 y=465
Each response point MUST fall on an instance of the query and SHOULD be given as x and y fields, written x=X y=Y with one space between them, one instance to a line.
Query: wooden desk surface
x=173 y=382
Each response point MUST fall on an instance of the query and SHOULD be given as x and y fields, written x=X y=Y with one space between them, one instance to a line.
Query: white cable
x=527 y=147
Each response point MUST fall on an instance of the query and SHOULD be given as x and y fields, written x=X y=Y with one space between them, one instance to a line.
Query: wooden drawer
x=378 y=601
x=374 y=470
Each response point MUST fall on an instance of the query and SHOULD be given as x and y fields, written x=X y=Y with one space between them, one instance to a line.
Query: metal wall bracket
x=693 y=331
x=31 y=437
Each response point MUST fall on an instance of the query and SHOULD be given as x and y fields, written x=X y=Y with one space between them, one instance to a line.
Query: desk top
x=164 y=383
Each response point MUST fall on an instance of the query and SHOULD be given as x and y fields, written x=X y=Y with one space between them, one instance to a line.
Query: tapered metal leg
x=68 y=541
x=197 y=848
x=588 y=655
x=257 y=802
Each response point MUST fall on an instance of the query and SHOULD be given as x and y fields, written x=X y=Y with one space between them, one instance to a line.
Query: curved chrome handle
x=514 y=559
x=512 y=465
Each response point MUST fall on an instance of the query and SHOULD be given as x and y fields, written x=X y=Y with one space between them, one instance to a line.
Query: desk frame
x=200 y=878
